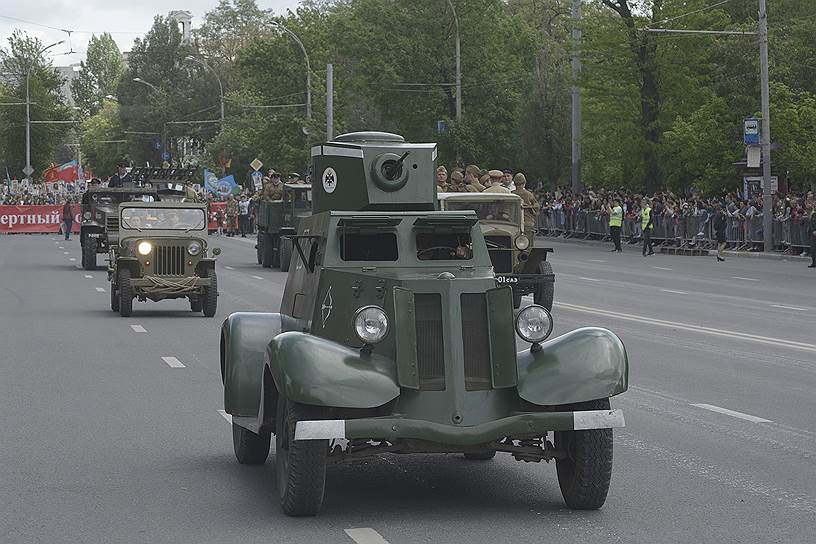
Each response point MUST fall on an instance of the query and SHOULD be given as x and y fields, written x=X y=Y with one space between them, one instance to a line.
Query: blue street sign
x=165 y=155
x=750 y=131
x=156 y=145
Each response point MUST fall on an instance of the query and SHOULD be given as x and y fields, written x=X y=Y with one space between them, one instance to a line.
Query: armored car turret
x=393 y=336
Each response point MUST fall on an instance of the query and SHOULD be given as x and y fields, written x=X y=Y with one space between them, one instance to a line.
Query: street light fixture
x=28 y=169
x=143 y=82
x=308 y=66
x=220 y=85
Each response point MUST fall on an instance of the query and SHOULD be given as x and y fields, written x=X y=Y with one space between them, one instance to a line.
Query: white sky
x=125 y=20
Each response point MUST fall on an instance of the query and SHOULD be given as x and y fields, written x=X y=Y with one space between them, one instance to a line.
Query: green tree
x=99 y=139
x=99 y=74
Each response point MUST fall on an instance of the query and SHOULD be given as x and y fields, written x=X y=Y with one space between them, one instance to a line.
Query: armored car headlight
x=145 y=248
x=371 y=324
x=534 y=324
x=194 y=248
x=86 y=215
x=522 y=242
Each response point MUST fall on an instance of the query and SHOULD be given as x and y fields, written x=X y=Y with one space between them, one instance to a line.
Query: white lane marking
x=100 y=289
x=61 y=247
x=744 y=279
x=89 y=276
x=225 y=415
x=365 y=535
x=138 y=328
x=732 y=413
x=693 y=328
x=172 y=362
x=789 y=307
x=587 y=279
x=72 y=259
x=66 y=252
x=229 y=268
x=257 y=277
x=673 y=291
x=661 y=268
x=596 y=261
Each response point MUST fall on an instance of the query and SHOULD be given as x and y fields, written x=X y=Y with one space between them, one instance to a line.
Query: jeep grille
x=476 y=341
x=170 y=260
x=112 y=222
x=502 y=259
x=430 y=348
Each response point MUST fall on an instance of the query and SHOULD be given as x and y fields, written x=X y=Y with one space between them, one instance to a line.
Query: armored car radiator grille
x=170 y=260
x=112 y=222
x=430 y=347
x=476 y=341
x=502 y=259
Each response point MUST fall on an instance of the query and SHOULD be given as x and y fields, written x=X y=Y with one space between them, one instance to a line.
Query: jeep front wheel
x=195 y=304
x=125 y=293
x=584 y=473
x=300 y=466
x=210 y=302
x=250 y=448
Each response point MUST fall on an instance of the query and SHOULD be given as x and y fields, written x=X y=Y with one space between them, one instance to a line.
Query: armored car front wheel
x=89 y=254
x=544 y=291
x=584 y=473
x=300 y=466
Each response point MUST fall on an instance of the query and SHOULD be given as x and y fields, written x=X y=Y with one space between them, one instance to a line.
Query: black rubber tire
x=267 y=254
x=544 y=292
x=585 y=474
x=516 y=301
x=89 y=254
x=259 y=248
x=114 y=296
x=285 y=254
x=480 y=456
x=125 y=293
x=210 y=297
x=250 y=448
x=196 y=305
x=300 y=466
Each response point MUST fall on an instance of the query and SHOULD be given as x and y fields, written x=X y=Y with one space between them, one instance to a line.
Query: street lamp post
x=28 y=169
x=164 y=127
x=217 y=78
x=308 y=66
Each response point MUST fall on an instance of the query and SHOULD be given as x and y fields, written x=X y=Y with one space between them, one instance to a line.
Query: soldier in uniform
x=274 y=189
x=232 y=215
x=472 y=184
x=457 y=185
x=441 y=179
x=121 y=176
x=529 y=205
x=496 y=186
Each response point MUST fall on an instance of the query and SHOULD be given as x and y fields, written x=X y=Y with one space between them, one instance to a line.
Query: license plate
x=504 y=279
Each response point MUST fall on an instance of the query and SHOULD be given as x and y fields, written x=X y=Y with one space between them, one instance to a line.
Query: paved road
x=104 y=440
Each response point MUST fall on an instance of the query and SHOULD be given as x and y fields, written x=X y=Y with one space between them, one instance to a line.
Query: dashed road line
x=138 y=328
x=61 y=247
x=661 y=268
x=66 y=252
x=257 y=277
x=225 y=415
x=229 y=268
x=172 y=362
x=596 y=261
x=674 y=292
x=100 y=289
x=789 y=308
x=365 y=535
x=587 y=279
x=744 y=279
x=72 y=259
x=732 y=413
x=89 y=276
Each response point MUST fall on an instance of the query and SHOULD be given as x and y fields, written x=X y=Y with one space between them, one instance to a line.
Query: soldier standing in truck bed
x=274 y=189
x=528 y=203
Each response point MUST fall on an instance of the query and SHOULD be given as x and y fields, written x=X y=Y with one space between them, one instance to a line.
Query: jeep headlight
x=522 y=242
x=194 y=248
x=371 y=324
x=534 y=324
x=145 y=248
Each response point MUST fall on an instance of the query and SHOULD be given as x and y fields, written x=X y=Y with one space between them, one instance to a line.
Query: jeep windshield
x=163 y=218
x=505 y=210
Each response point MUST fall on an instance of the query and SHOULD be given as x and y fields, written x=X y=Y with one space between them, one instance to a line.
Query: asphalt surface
x=103 y=440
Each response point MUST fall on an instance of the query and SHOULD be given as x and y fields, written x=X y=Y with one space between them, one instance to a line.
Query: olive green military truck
x=99 y=228
x=279 y=219
x=393 y=337
x=516 y=261
x=162 y=254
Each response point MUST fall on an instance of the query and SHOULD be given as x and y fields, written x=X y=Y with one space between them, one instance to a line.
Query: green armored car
x=162 y=254
x=516 y=261
x=393 y=337
x=277 y=220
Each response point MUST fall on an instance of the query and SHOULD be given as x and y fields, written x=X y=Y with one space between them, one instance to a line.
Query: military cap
x=441 y=169
x=457 y=175
x=495 y=174
x=519 y=179
x=485 y=179
x=473 y=169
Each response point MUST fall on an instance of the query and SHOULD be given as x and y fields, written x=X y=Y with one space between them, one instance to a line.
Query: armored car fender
x=583 y=365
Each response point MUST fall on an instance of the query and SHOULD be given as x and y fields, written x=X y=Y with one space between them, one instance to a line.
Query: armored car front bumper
x=524 y=425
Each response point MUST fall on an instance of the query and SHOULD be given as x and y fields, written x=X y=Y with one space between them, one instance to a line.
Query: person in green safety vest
x=646 y=225
x=615 y=223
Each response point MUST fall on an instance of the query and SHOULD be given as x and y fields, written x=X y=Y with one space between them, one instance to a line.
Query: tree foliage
x=99 y=74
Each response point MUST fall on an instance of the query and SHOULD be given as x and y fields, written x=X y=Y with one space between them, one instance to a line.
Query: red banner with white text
x=38 y=219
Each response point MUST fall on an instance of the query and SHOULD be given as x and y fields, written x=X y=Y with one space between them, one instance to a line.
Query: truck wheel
x=210 y=302
x=516 y=301
x=114 y=295
x=584 y=474
x=300 y=466
x=195 y=304
x=266 y=243
x=480 y=456
x=259 y=247
x=285 y=254
x=250 y=448
x=125 y=293
x=89 y=254
x=544 y=291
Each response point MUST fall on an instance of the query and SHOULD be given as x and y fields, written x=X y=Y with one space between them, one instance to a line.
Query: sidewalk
x=545 y=240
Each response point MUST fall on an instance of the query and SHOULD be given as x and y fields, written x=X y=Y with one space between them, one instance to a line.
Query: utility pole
x=577 y=185
x=767 y=198
x=329 y=102
x=28 y=170
x=458 y=47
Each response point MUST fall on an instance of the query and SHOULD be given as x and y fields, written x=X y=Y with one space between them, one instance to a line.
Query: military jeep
x=100 y=219
x=393 y=337
x=162 y=254
x=278 y=219
x=516 y=260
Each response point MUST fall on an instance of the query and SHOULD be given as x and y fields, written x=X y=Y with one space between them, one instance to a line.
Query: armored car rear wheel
x=250 y=448
x=584 y=474
x=125 y=293
x=300 y=466
x=210 y=297
x=544 y=291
